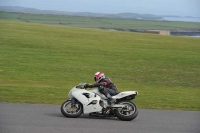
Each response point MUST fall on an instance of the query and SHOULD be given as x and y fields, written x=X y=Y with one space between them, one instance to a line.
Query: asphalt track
x=39 y=118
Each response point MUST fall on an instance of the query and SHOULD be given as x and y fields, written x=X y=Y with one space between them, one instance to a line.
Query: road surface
x=44 y=118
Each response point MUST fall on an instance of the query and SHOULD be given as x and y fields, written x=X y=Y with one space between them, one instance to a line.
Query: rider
x=105 y=86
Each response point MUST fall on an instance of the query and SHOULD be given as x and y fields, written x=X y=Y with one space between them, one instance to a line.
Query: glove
x=87 y=86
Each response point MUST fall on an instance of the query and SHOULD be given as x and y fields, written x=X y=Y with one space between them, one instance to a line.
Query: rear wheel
x=71 y=110
x=128 y=113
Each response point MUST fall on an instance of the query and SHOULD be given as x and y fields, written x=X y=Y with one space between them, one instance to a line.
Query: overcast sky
x=157 y=7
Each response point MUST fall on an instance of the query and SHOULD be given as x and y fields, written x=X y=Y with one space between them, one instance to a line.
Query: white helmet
x=98 y=76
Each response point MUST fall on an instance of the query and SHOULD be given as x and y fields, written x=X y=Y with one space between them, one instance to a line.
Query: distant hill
x=89 y=14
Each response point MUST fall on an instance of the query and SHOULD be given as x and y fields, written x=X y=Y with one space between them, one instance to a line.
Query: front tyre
x=128 y=113
x=71 y=110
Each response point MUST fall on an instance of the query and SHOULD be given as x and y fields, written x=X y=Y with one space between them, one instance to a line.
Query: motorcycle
x=92 y=102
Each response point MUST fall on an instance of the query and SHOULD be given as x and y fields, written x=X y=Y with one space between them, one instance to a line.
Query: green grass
x=106 y=23
x=41 y=63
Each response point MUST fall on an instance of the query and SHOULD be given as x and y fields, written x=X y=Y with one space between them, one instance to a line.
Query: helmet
x=98 y=76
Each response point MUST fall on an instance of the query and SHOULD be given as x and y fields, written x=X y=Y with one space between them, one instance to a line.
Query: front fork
x=73 y=101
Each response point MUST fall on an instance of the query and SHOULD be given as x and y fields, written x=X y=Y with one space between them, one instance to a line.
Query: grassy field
x=105 y=23
x=41 y=63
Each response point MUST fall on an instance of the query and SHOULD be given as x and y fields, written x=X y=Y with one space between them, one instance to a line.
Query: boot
x=111 y=101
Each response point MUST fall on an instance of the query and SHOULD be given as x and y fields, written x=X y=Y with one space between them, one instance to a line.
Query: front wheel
x=71 y=110
x=128 y=113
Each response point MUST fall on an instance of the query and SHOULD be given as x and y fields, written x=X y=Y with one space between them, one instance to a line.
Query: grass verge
x=41 y=63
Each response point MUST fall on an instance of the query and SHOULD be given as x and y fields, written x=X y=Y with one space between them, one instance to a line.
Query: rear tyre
x=128 y=113
x=70 y=110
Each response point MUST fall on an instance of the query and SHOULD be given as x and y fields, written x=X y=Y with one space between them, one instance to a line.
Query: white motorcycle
x=92 y=102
